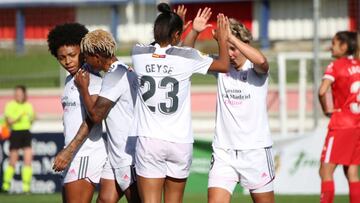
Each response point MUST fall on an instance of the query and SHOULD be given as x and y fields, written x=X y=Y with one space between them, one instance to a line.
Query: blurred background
x=295 y=36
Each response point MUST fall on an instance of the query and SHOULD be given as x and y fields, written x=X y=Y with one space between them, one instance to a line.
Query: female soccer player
x=88 y=164
x=164 y=147
x=242 y=143
x=342 y=143
x=115 y=104
x=19 y=115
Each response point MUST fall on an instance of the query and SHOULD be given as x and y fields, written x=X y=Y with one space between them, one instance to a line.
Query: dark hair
x=166 y=24
x=65 y=34
x=350 y=39
x=21 y=87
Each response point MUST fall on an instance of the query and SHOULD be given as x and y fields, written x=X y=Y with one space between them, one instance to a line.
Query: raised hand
x=181 y=11
x=223 y=28
x=201 y=19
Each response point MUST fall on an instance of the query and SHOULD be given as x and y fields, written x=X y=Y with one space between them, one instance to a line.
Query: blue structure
x=264 y=24
x=20 y=31
x=19 y=5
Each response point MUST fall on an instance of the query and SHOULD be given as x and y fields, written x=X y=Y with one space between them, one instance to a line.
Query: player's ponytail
x=164 y=8
x=166 y=25
x=357 y=53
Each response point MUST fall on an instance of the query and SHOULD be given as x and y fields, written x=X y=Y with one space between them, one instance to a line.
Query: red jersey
x=345 y=74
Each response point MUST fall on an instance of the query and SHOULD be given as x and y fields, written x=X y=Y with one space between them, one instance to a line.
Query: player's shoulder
x=142 y=49
x=68 y=79
x=343 y=61
x=186 y=52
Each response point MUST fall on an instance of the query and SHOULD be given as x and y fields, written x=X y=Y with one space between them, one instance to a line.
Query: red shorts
x=342 y=147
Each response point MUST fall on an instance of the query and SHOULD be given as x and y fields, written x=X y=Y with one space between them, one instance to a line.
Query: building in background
x=26 y=21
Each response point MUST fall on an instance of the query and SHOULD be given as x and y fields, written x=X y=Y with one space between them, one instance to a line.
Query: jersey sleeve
x=31 y=112
x=95 y=84
x=201 y=62
x=330 y=72
x=113 y=84
x=8 y=110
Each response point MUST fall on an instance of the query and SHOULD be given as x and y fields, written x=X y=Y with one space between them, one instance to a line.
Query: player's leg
x=264 y=194
x=178 y=163
x=335 y=152
x=10 y=170
x=351 y=173
x=327 y=183
x=26 y=171
x=259 y=175
x=174 y=190
x=222 y=177
x=82 y=175
x=151 y=168
x=126 y=180
x=13 y=158
x=150 y=189
x=109 y=192
x=80 y=191
x=218 y=195
x=132 y=193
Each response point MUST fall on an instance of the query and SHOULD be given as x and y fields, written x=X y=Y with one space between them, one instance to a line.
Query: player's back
x=164 y=102
x=345 y=73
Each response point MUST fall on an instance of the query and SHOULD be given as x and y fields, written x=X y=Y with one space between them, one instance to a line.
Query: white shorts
x=155 y=158
x=88 y=167
x=125 y=176
x=253 y=169
x=108 y=172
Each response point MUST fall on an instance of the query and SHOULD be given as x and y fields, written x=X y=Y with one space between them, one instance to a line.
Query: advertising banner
x=45 y=146
x=297 y=161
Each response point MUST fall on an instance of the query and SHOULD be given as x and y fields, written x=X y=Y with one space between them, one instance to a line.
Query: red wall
x=242 y=11
x=38 y=21
x=354 y=15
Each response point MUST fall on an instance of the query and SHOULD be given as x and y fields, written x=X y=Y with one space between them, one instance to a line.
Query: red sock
x=327 y=192
x=354 y=192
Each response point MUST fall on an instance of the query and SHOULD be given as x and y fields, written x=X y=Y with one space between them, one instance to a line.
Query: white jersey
x=164 y=107
x=75 y=113
x=241 y=111
x=119 y=86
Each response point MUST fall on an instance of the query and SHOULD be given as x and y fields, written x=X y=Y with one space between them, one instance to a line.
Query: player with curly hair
x=89 y=164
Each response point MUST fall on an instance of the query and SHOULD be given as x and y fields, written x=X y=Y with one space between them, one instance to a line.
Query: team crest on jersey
x=158 y=56
x=243 y=76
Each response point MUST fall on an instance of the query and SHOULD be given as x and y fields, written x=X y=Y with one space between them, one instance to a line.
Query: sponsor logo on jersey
x=158 y=56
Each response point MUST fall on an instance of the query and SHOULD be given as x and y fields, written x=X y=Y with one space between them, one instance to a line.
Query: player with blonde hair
x=115 y=105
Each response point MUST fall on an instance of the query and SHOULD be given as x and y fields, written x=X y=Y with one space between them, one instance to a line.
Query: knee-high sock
x=354 y=188
x=26 y=176
x=7 y=178
x=327 y=192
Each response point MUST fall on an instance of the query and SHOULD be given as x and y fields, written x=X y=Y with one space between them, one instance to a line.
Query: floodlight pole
x=316 y=61
x=20 y=32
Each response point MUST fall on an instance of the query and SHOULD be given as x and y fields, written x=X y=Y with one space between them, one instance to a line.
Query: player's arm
x=221 y=35
x=82 y=81
x=254 y=55
x=97 y=107
x=324 y=87
x=98 y=113
x=200 y=23
x=181 y=11
x=64 y=157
